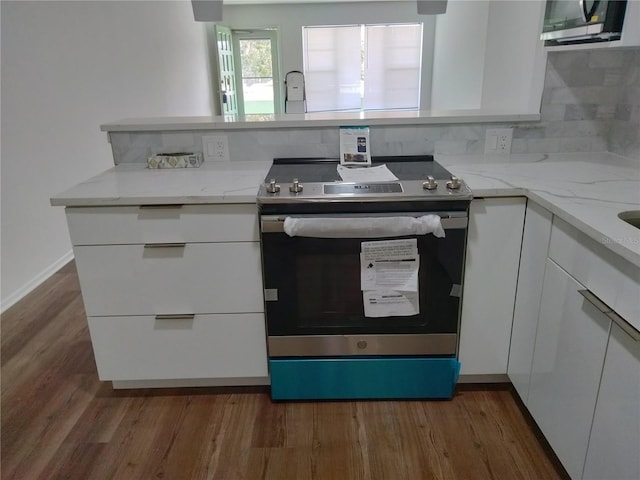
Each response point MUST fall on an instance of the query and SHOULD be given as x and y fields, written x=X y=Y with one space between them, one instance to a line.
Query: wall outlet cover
x=498 y=140
x=215 y=148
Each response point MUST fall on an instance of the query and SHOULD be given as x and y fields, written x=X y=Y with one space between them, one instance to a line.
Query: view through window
x=362 y=67
x=256 y=62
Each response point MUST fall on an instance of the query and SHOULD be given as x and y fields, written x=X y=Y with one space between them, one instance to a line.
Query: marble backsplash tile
x=590 y=103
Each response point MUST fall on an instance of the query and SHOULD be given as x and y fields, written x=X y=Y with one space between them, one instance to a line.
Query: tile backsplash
x=590 y=103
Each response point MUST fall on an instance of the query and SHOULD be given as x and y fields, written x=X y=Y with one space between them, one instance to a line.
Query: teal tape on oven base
x=363 y=378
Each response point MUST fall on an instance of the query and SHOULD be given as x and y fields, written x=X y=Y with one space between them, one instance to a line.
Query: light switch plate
x=498 y=140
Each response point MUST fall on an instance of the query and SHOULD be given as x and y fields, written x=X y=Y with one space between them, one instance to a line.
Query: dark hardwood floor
x=60 y=421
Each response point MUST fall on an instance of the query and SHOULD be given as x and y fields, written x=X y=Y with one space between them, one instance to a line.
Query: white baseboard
x=27 y=288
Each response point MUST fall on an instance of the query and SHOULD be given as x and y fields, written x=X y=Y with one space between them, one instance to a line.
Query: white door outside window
x=256 y=63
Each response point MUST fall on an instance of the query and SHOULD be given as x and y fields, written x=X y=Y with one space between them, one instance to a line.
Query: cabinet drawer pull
x=609 y=312
x=167 y=206
x=624 y=325
x=176 y=316
x=164 y=245
x=595 y=301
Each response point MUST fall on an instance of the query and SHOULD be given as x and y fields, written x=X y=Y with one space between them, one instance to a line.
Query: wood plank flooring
x=60 y=421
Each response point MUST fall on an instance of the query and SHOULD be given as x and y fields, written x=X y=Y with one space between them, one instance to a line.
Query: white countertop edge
x=314 y=120
x=62 y=201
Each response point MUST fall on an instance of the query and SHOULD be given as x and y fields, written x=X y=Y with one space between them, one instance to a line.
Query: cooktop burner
x=325 y=169
x=418 y=177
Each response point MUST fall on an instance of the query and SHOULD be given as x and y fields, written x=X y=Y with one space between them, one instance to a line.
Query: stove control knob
x=454 y=183
x=296 y=186
x=272 y=186
x=430 y=184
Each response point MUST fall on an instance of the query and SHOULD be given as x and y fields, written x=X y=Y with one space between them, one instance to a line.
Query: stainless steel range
x=363 y=278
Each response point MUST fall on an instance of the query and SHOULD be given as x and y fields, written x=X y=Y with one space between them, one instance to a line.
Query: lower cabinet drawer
x=205 y=346
x=610 y=277
x=162 y=223
x=193 y=278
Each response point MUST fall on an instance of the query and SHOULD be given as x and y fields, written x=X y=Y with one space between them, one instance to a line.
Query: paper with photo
x=390 y=303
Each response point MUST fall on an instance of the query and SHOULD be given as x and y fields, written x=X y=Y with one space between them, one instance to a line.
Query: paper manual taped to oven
x=389 y=277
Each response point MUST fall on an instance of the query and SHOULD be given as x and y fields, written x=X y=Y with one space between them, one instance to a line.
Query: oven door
x=314 y=299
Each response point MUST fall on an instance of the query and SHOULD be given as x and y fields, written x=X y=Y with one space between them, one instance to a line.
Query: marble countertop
x=586 y=190
x=328 y=119
x=135 y=184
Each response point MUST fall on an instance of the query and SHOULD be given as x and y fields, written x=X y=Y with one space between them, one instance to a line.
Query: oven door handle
x=448 y=220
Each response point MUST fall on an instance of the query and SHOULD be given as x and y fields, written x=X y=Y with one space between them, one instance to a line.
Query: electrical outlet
x=498 y=140
x=215 y=148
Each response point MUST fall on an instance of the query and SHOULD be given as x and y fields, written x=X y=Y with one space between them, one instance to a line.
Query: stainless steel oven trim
x=449 y=220
x=573 y=32
x=337 y=345
x=412 y=190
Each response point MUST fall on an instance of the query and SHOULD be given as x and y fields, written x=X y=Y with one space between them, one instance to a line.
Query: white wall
x=514 y=65
x=488 y=55
x=458 y=60
x=290 y=18
x=68 y=67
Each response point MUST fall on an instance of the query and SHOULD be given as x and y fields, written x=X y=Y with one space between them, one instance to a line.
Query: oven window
x=330 y=292
x=319 y=291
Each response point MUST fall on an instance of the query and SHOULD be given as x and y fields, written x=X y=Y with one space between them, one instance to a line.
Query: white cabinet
x=201 y=346
x=535 y=245
x=587 y=408
x=172 y=293
x=569 y=354
x=610 y=277
x=181 y=278
x=491 y=272
x=614 y=446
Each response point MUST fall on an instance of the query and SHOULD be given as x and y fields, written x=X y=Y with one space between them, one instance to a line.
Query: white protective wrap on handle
x=365 y=227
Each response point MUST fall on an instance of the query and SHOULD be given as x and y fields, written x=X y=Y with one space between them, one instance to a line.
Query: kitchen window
x=362 y=67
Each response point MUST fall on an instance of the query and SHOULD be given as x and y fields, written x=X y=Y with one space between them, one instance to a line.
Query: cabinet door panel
x=614 y=447
x=491 y=273
x=569 y=354
x=194 y=278
x=535 y=244
x=207 y=346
